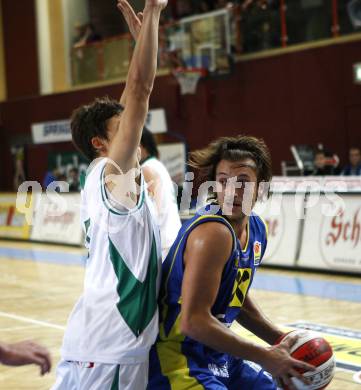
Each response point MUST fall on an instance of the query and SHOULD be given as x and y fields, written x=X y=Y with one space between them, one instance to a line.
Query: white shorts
x=99 y=376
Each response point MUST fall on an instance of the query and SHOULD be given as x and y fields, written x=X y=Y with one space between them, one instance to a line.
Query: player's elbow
x=138 y=87
x=191 y=326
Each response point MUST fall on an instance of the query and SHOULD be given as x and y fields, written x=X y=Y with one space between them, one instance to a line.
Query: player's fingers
x=289 y=342
x=46 y=358
x=287 y=381
x=120 y=8
x=45 y=365
x=140 y=16
x=298 y=375
x=303 y=365
x=124 y=10
x=128 y=9
x=42 y=363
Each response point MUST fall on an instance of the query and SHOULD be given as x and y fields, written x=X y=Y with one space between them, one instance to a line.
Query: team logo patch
x=220 y=371
x=240 y=287
x=257 y=249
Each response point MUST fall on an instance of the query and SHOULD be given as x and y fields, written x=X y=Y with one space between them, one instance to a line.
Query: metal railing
x=209 y=40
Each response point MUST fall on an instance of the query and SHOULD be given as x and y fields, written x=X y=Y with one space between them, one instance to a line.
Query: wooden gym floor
x=39 y=285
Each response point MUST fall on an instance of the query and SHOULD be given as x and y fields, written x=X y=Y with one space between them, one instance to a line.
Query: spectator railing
x=208 y=40
x=101 y=61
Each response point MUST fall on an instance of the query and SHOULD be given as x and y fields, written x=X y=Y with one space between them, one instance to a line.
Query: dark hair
x=90 y=121
x=148 y=142
x=355 y=148
x=232 y=149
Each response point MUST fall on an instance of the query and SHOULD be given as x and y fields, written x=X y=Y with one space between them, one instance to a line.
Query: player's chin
x=236 y=213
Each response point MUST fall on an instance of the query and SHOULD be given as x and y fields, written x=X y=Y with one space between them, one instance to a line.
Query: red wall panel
x=20 y=46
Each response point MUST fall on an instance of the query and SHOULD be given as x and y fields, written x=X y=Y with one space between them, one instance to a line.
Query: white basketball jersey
x=168 y=217
x=115 y=321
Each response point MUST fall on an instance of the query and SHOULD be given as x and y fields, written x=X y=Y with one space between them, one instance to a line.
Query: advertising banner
x=282 y=213
x=13 y=224
x=50 y=132
x=57 y=219
x=332 y=234
x=173 y=156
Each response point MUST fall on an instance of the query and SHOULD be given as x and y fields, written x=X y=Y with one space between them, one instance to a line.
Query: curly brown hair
x=237 y=148
x=90 y=121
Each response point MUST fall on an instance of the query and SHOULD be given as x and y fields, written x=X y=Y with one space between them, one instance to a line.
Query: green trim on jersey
x=109 y=206
x=115 y=383
x=137 y=300
x=82 y=179
x=87 y=225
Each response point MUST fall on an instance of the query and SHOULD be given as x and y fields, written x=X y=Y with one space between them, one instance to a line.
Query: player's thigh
x=203 y=371
x=249 y=376
x=134 y=376
x=96 y=376
x=111 y=377
x=66 y=376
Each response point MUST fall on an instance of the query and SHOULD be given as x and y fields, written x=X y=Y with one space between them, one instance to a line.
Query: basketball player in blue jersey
x=206 y=280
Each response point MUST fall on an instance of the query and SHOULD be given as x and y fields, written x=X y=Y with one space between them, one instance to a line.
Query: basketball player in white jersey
x=162 y=190
x=115 y=321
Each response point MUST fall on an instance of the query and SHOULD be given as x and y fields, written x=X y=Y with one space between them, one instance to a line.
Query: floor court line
x=31 y=321
x=12 y=328
x=320 y=288
x=57 y=257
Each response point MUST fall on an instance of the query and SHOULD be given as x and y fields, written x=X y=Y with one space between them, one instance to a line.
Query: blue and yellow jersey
x=174 y=355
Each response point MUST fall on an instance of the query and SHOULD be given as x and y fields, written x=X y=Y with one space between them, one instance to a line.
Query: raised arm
x=134 y=22
x=123 y=146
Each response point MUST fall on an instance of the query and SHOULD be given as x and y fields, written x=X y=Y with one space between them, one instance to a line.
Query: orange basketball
x=311 y=348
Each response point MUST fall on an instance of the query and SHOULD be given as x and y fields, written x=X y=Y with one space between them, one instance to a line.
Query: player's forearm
x=207 y=330
x=139 y=85
x=253 y=319
x=144 y=62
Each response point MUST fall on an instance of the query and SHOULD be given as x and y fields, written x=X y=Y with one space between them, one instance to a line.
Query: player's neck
x=240 y=228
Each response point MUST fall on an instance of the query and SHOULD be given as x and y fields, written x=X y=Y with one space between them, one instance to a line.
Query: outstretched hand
x=134 y=21
x=26 y=352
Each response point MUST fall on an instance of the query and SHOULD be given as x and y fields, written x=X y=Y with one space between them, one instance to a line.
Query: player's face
x=113 y=127
x=238 y=187
x=102 y=144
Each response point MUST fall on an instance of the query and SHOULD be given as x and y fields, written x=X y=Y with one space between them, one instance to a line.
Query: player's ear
x=99 y=144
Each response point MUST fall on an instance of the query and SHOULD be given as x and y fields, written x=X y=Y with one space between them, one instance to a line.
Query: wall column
x=51 y=43
x=57 y=45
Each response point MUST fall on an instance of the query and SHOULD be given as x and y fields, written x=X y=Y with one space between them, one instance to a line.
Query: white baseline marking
x=31 y=321
x=12 y=328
